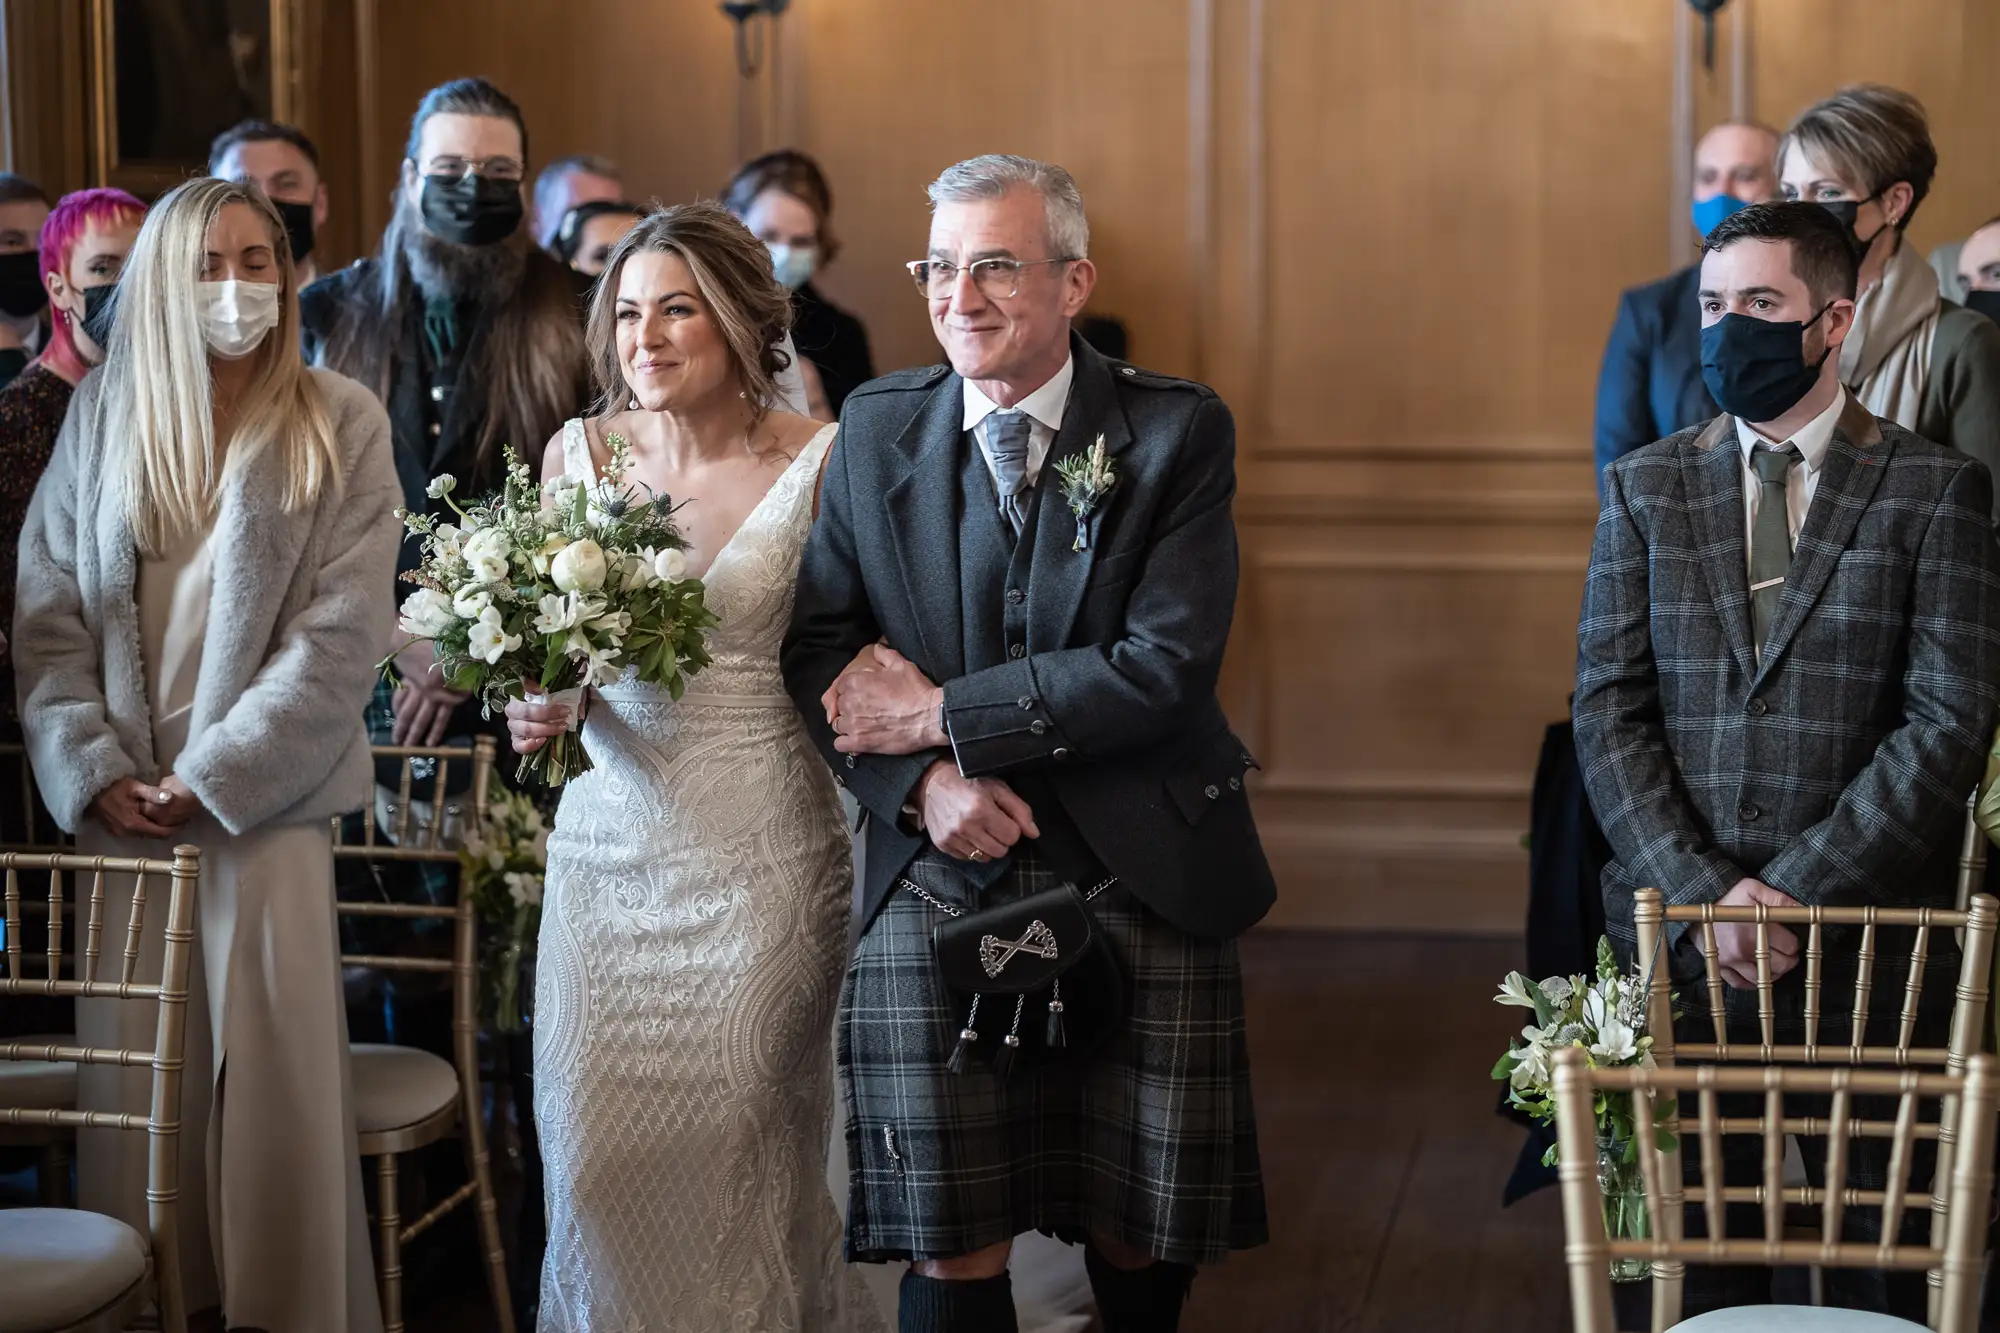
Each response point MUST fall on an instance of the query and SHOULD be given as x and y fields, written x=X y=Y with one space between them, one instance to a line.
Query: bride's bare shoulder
x=791 y=433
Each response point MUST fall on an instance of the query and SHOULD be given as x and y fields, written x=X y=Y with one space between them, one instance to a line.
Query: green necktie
x=1770 y=539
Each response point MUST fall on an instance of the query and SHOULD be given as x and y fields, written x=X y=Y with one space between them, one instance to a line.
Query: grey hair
x=993 y=174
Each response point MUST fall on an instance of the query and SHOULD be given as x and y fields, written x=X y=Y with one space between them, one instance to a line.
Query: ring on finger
x=976 y=855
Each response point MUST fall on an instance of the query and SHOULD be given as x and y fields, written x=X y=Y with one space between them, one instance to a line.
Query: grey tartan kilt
x=1150 y=1141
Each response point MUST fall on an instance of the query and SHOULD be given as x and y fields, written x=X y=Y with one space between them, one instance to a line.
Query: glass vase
x=1623 y=1186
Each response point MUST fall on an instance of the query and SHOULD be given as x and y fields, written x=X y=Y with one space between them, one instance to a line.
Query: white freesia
x=557 y=613
x=487 y=541
x=488 y=640
x=670 y=565
x=468 y=602
x=450 y=541
x=1615 y=1044
x=615 y=624
x=635 y=571
x=426 y=614
x=600 y=669
x=1514 y=991
x=578 y=567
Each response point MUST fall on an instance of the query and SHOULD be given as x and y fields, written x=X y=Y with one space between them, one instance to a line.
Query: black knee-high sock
x=1137 y=1300
x=934 y=1305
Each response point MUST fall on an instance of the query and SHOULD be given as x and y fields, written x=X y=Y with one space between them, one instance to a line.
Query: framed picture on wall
x=167 y=76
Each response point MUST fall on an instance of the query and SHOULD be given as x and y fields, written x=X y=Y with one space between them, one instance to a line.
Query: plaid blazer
x=1836 y=769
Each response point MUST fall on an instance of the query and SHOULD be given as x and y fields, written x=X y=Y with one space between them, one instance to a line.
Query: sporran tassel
x=961 y=1054
x=1010 y=1045
x=1054 y=1037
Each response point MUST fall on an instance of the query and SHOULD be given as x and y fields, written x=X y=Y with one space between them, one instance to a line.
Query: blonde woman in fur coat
x=205 y=585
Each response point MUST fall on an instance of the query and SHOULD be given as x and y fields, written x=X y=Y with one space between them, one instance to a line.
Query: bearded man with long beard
x=470 y=335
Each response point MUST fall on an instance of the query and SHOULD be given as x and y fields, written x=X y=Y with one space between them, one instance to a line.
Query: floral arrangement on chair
x=1606 y=1016
x=502 y=863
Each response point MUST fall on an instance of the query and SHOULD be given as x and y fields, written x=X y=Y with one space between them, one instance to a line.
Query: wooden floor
x=1382 y=1156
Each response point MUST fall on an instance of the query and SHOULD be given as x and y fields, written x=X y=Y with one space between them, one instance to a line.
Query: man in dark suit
x=1041 y=711
x=1788 y=661
x=1650 y=385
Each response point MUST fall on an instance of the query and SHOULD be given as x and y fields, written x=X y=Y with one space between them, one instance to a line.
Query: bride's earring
x=632 y=406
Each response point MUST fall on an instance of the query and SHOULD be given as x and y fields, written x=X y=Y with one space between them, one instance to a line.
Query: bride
x=694 y=928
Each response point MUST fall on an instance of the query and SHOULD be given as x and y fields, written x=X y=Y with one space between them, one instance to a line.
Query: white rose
x=579 y=567
x=670 y=565
x=470 y=600
x=489 y=640
x=488 y=569
x=487 y=541
x=426 y=614
x=548 y=552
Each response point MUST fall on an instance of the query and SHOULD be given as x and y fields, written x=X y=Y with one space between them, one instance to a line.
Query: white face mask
x=793 y=264
x=235 y=315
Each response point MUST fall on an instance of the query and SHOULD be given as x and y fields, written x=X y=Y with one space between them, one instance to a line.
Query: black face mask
x=298 y=219
x=21 y=290
x=1849 y=212
x=471 y=209
x=1986 y=303
x=100 y=309
x=1756 y=369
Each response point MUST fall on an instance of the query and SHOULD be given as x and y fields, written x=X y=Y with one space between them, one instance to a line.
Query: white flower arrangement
x=536 y=591
x=501 y=865
x=1605 y=1015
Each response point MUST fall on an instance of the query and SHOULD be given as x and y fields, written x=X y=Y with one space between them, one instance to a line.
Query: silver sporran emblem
x=995 y=953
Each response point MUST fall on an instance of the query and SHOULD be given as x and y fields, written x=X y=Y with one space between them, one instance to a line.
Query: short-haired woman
x=1928 y=364
x=694 y=923
x=784 y=200
x=204 y=591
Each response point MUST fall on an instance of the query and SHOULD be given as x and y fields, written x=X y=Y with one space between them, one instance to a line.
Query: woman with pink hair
x=84 y=244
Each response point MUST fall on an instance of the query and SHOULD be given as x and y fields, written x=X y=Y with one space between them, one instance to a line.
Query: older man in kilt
x=1010 y=618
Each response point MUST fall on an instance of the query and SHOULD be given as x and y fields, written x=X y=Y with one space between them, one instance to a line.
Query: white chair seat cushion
x=58 y=1266
x=398 y=1086
x=1794 y=1319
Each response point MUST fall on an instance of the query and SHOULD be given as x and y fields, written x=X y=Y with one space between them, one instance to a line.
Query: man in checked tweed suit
x=1788 y=662
x=1040 y=711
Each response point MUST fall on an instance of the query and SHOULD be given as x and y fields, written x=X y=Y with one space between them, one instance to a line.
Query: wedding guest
x=581 y=178
x=1030 y=710
x=83 y=249
x=588 y=233
x=784 y=199
x=1650 y=383
x=469 y=335
x=204 y=590
x=282 y=162
x=1928 y=364
x=1787 y=667
x=24 y=208
x=1978 y=262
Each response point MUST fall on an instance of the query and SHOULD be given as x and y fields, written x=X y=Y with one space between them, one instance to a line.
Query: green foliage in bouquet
x=538 y=590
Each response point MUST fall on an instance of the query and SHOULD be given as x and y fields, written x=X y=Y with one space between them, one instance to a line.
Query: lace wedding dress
x=693 y=937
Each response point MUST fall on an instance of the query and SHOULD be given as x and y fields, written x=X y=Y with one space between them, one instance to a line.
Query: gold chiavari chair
x=407 y=1098
x=70 y=1270
x=1976 y=927
x=1956 y=1256
x=47 y=1085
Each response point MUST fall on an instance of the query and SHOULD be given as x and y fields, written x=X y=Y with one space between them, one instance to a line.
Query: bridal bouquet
x=501 y=864
x=1606 y=1016
x=538 y=593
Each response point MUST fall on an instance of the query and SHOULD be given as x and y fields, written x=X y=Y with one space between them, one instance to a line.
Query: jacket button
x=1748 y=813
x=1025 y=701
x=1236 y=784
x=1756 y=708
x=1016 y=651
x=1129 y=371
x=1212 y=792
x=1061 y=753
x=1016 y=596
x=1038 y=726
x=850 y=761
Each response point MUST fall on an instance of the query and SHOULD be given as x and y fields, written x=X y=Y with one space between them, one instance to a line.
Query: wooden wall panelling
x=46 y=123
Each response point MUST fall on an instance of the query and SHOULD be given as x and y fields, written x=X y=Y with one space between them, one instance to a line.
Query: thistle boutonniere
x=1086 y=479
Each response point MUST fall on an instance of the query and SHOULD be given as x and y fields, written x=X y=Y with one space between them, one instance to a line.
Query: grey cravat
x=1770 y=538
x=1007 y=450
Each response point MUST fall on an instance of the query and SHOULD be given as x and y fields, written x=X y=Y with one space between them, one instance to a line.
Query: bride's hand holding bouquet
x=538 y=593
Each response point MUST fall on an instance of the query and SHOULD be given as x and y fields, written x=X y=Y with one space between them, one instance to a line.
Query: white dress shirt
x=1044 y=408
x=1812 y=441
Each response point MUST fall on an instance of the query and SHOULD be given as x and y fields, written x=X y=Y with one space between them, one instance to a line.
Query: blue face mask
x=793 y=265
x=1709 y=213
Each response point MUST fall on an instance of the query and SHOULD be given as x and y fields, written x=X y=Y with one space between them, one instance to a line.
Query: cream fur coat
x=303 y=609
